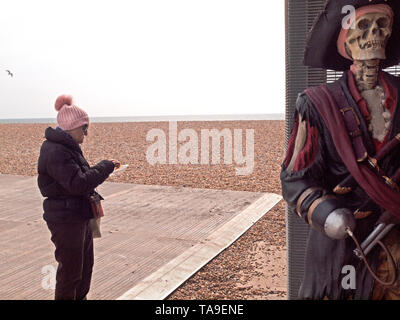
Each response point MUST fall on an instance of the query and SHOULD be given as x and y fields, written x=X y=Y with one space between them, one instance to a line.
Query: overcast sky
x=146 y=57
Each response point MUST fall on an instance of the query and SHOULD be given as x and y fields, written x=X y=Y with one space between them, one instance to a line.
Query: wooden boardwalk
x=154 y=237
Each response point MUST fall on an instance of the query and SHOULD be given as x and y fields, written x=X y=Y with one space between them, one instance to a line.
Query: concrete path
x=153 y=237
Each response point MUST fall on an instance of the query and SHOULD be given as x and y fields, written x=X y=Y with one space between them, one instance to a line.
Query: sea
x=235 y=117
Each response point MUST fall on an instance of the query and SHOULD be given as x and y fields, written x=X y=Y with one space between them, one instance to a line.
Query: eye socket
x=382 y=22
x=364 y=24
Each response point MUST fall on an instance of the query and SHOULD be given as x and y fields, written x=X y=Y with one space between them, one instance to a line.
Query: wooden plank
x=164 y=281
x=145 y=229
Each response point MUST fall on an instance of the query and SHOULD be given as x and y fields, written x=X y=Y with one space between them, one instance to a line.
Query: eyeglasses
x=85 y=129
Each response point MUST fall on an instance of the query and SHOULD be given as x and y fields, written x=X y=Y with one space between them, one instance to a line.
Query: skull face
x=369 y=37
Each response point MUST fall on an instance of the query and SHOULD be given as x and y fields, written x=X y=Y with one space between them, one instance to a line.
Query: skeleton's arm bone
x=299 y=143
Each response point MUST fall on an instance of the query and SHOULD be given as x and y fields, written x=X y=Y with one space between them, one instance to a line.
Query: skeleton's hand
x=388 y=218
x=337 y=222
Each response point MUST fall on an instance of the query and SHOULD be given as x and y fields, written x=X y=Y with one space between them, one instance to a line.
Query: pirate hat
x=321 y=48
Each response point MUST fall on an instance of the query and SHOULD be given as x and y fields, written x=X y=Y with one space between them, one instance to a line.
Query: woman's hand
x=117 y=164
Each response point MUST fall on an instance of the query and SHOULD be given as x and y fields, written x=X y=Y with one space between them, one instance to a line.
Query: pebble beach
x=254 y=267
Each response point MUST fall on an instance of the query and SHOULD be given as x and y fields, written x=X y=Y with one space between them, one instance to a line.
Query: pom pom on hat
x=63 y=100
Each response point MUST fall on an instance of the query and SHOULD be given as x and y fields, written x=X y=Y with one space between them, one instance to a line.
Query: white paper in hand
x=120 y=169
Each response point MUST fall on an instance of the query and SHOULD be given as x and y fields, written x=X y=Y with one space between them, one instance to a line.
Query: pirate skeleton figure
x=341 y=171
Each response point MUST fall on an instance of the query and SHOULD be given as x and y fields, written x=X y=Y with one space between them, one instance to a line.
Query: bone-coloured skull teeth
x=372 y=44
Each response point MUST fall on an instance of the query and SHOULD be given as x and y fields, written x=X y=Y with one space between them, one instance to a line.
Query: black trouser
x=74 y=254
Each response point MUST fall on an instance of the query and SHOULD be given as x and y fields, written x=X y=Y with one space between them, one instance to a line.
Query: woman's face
x=79 y=133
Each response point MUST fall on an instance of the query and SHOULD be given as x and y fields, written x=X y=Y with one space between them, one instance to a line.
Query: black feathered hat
x=321 y=48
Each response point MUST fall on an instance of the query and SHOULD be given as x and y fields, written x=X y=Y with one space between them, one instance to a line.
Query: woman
x=66 y=180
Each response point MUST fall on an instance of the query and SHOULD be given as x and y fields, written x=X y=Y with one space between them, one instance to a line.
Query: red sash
x=376 y=189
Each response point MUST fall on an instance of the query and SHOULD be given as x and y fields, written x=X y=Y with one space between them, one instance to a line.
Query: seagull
x=9 y=73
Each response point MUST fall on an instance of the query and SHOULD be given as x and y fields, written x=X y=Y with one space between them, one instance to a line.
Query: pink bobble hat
x=69 y=116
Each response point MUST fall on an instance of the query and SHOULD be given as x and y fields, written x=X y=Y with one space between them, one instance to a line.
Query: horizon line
x=205 y=117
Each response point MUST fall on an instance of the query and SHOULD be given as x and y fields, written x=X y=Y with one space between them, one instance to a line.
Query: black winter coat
x=66 y=179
